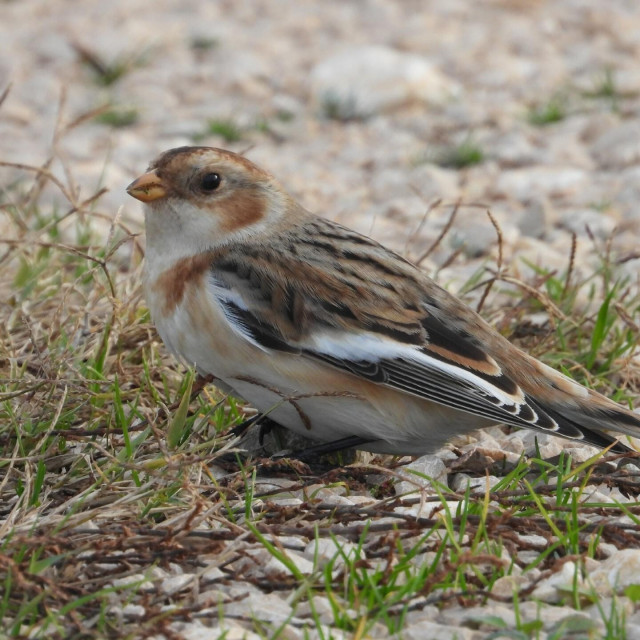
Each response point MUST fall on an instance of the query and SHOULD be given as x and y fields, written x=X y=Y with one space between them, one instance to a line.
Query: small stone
x=631 y=468
x=533 y=540
x=198 y=631
x=286 y=502
x=580 y=452
x=212 y=573
x=321 y=607
x=362 y=500
x=628 y=194
x=432 y=182
x=138 y=581
x=446 y=455
x=632 y=630
x=618 y=147
x=475 y=234
x=485 y=441
x=584 y=222
x=534 y=219
x=274 y=484
x=324 y=550
x=617 y=572
x=217 y=472
x=531 y=610
x=513 y=148
x=533 y=182
x=420 y=473
x=292 y=632
x=528 y=557
x=553 y=588
x=360 y=81
x=475 y=239
x=484 y=618
x=434 y=631
x=264 y=606
x=327 y=495
x=506 y=586
x=133 y=611
x=430 y=612
x=461 y=482
x=621 y=604
x=576 y=623
x=177 y=583
x=533 y=442
x=261 y=563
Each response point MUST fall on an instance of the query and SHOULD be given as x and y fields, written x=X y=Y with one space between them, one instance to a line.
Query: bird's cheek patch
x=240 y=211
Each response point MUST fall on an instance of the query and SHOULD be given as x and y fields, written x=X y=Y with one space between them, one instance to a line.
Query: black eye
x=210 y=181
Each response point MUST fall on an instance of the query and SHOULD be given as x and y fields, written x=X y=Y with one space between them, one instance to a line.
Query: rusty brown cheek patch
x=172 y=283
x=242 y=210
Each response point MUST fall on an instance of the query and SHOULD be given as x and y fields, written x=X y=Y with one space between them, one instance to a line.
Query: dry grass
x=109 y=529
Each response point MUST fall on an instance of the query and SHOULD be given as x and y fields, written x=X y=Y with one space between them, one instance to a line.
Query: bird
x=326 y=331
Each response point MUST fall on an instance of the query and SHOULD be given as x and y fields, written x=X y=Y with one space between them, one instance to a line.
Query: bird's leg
x=325 y=448
x=199 y=384
x=266 y=425
x=240 y=429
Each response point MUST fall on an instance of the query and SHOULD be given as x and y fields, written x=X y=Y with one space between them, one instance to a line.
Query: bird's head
x=199 y=198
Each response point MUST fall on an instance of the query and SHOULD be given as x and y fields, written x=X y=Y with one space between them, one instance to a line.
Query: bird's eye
x=210 y=181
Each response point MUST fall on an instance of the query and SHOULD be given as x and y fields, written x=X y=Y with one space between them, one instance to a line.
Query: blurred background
x=409 y=121
x=371 y=112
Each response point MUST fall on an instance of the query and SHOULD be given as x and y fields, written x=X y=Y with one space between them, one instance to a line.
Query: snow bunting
x=328 y=332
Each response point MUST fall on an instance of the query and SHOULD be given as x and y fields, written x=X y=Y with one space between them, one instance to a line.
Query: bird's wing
x=377 y=317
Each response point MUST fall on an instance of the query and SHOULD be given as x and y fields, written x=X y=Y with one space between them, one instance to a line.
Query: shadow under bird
x=327 y=331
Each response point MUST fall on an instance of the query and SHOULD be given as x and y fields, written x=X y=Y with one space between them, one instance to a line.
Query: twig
x=443 y=233
x=572 y=259
x=491 y=282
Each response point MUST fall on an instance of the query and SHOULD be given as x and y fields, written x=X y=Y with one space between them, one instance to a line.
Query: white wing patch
x=367 y=347
x=227 y=299
x=415 y=372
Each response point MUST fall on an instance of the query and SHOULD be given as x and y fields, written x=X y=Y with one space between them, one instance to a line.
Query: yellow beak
x=147 y=187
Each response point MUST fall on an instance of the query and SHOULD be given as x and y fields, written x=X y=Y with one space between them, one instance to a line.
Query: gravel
x=359 y=107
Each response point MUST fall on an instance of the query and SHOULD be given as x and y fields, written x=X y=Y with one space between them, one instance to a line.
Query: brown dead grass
x=97 y=512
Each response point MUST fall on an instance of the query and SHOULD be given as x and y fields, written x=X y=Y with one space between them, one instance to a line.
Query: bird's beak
x=147 y=187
